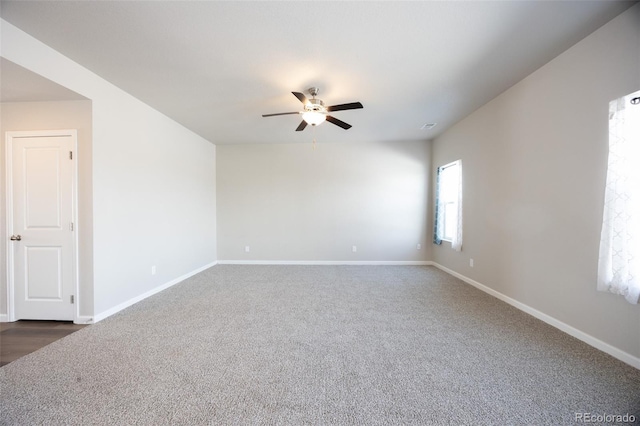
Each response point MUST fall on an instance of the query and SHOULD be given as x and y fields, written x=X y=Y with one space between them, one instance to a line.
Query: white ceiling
x=216 y=66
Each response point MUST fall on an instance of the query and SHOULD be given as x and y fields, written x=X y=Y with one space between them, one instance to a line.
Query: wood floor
x=20 y=338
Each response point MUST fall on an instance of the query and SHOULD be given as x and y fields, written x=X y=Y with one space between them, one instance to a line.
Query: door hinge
x=70 y=155
x=72 y=299
x=71 y=226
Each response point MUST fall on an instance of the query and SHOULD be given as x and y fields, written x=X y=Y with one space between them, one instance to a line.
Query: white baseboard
x=325 y=262
x=4 y=318
x=580 y=335
x=132 y=301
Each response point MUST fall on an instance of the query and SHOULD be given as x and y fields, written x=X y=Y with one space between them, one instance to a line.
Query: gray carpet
x=317 y=345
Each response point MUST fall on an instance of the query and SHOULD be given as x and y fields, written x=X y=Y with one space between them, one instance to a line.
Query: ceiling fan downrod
x=313 y=91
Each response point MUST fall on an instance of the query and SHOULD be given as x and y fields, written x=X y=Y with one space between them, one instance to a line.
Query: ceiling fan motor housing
x=315 y=105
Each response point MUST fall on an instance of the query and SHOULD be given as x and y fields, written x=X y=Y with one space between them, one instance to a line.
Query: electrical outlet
x=247 y=249
x=471 y=262
x=153 y=270
x=354 y=249
x=418 y=247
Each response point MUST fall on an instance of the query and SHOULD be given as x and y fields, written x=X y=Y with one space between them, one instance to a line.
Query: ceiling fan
x=315 y=112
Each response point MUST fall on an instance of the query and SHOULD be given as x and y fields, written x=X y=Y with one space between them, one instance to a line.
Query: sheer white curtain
x=456 y=241
x=619 y=262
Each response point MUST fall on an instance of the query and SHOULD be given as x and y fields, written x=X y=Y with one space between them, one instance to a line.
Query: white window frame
x=449 y=195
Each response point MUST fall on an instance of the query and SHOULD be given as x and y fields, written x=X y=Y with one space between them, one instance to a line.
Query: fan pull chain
x=313 y=145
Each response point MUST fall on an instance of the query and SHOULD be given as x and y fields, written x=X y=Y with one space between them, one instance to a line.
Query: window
x=448 y=217
x=619 y=261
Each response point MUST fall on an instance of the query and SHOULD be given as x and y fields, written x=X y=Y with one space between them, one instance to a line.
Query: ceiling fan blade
x=301 y=97
x=342 y=107
x=301 y=127
x=280 y=113
x=337 y=122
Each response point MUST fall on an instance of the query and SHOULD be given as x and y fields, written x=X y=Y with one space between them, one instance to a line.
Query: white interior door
x=41 y=224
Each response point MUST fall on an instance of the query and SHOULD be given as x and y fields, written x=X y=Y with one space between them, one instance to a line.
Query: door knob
x=16 y=238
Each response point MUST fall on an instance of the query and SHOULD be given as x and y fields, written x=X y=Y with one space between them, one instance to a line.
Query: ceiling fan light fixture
x=314 y=117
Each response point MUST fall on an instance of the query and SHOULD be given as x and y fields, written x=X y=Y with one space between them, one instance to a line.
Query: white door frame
x=9 y=213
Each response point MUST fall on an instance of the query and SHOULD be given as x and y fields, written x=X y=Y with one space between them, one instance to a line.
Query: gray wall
x=52 y=116
x=289 y=202
x=153 y=183
x=534 y=165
